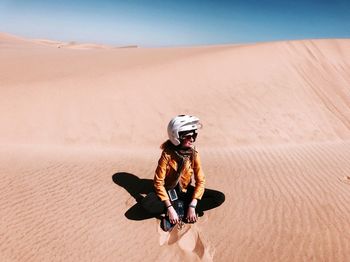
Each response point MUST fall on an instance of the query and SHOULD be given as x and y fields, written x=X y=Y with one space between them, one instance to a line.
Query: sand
x=81 y=126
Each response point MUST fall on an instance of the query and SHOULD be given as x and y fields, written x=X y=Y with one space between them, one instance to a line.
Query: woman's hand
x=191 y=212
x=173 y=217
x=191 y=215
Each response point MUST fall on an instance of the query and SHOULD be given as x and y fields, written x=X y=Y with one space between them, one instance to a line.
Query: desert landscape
x=81 y=126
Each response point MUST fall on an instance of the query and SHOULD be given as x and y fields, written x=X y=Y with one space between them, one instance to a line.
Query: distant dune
x=283 y=92
x=275 y=140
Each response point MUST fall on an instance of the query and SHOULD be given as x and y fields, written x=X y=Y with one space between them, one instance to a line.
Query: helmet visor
x=188 y=134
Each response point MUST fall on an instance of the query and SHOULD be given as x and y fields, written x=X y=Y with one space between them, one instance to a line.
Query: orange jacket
x=165 y=174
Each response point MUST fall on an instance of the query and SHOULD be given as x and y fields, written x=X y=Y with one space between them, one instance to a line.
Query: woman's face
x=187 y=141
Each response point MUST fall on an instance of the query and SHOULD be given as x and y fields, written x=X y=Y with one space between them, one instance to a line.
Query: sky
x=160 y=23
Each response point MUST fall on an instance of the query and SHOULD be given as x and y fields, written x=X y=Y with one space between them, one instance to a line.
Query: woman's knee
x=217 y=196
x=220 y=198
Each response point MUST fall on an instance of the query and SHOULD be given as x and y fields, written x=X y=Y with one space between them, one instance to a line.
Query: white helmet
x=182 y=123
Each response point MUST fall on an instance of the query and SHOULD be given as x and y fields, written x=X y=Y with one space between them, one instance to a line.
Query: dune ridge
x=272 y=93
x=74 y=121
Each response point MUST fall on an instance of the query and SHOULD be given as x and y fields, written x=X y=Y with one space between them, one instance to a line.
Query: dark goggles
x=188 y=135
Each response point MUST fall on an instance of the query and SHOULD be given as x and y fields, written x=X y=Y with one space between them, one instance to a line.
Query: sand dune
x=270 y=93
x=80 y=130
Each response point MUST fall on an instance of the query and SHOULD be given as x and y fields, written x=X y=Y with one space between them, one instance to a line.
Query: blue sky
x=175 y=23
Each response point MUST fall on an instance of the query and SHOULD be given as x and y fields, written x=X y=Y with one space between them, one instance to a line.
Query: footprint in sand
x=172 y=237
x=192 y=242
x=345 y=179
x=176 y=234
x=189 y=240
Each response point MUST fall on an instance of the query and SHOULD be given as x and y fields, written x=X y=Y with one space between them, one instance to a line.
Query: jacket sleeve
x=199 y=178
x=159 y=177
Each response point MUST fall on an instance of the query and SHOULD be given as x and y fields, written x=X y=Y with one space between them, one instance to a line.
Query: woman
x=178 y=164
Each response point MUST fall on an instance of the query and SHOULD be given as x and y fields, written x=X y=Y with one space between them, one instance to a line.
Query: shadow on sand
x=136 y=187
